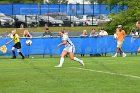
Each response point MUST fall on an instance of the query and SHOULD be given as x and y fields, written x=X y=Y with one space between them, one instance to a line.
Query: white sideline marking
x=111 y=73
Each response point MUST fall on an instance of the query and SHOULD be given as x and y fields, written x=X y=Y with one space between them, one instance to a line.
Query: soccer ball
x=115 y=36
x=28 y=42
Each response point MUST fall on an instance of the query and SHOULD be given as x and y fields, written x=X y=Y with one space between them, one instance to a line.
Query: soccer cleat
x=23 y=57
x=82 y=63
x=14 y=57
x=114 y=55
x=124 y=55
x=58 y=66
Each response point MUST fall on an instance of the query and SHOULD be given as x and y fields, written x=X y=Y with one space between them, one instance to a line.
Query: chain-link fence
x=28 y=15
x=69 y=9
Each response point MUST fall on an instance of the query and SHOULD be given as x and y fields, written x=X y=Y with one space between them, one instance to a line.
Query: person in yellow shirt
x=120 y=35
x=16 y=40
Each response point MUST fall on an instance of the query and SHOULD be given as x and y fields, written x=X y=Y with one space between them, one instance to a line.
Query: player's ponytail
x=62 y=31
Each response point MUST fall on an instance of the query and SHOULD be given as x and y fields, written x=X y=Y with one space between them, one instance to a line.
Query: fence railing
x=70 y=9
x=84 y=45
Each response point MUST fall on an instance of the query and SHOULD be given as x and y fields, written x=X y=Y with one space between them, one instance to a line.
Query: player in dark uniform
x=16 y=40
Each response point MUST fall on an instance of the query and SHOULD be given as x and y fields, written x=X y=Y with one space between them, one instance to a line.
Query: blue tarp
x=84 y=45
x=70 y=9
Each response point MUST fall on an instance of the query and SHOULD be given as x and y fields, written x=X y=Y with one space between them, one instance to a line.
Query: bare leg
x=117 y=50
x=121 y=50
x=71 y=55
x=14 y=54
x=75 y=58
x=123 y=54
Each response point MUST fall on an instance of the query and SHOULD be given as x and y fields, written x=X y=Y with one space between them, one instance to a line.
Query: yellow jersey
x=16 y=38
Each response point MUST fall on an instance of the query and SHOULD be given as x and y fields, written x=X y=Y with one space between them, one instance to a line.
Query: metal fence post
x=92 y=14
x=83 y=7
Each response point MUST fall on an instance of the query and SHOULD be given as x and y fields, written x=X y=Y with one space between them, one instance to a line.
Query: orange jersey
x=120 y=35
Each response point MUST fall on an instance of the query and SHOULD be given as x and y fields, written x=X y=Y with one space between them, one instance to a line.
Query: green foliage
x=126 y=18
x=56 y=1
x=92 y=1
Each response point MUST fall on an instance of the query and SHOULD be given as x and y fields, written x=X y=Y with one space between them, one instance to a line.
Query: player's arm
x=9 y=42
x=30 y=35
x=24 y=34
x=64 y=43
x=124 y=34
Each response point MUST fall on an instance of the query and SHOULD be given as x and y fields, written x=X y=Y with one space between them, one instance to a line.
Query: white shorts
x=69 y=49
x=119 y=44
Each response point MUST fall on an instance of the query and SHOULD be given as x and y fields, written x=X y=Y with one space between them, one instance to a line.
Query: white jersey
x=69 y=42
x=103 y=33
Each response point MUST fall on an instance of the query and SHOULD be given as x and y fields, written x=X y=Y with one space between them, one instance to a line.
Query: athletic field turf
x=99 y=75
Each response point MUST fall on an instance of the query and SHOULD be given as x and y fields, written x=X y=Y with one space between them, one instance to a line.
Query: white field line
x=111 y=73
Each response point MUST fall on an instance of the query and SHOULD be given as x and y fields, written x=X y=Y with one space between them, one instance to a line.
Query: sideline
x=111 y=73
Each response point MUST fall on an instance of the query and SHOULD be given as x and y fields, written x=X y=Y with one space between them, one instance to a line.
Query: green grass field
x=99 y=75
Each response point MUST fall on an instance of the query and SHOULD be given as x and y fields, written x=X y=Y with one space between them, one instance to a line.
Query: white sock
x=61 y=61
x=78 y=60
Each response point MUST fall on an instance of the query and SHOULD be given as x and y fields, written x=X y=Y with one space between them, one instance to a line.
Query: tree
x=93 y=1
x=126 y=18
x=17 y=1
x=57 y=1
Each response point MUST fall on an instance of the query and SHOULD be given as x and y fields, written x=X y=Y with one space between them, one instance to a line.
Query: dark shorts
x=17 y=45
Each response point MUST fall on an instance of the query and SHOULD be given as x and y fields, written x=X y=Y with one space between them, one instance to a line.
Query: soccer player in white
x=69 y=48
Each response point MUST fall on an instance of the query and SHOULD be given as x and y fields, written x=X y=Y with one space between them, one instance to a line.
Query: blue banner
x=84 y=45
x=69 y=9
